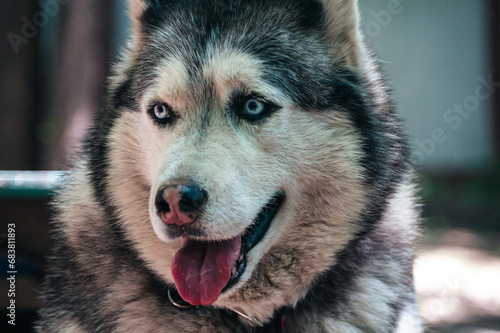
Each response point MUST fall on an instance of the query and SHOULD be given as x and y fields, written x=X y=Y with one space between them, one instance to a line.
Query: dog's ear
x=344 y=31
x=136 y=10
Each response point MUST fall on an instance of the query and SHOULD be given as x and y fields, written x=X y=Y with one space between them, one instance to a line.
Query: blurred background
x=442 y=59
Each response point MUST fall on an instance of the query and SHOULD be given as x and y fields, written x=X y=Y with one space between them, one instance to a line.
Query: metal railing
x=28 y=184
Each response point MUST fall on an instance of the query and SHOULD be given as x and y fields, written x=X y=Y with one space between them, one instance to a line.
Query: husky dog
x=247 y=173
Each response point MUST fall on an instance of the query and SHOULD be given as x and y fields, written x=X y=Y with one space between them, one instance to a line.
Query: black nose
x=180 y=204
x=193 y=199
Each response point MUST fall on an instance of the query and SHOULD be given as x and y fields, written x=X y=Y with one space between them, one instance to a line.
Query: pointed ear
x=136 y=9
x=343 y=31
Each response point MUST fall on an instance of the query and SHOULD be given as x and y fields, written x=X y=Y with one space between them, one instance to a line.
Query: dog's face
x=234 y=146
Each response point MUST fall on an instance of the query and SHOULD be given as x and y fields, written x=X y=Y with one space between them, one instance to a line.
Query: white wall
x=435 y=53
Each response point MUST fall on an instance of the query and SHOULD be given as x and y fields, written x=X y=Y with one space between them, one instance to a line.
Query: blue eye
x=251 y=107
x=254 y=108
x=162 y=113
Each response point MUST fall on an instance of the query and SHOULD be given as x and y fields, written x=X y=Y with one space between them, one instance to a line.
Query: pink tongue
x=202 y=269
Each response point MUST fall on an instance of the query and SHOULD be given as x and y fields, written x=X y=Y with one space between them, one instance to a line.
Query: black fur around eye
x=162 y=113
x=253 y=108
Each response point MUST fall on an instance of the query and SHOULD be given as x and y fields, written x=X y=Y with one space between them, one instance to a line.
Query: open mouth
x=204 y=270
x=253 y=236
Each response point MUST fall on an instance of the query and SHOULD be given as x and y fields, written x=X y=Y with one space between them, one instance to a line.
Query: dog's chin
x=236 y=251
x=252 y=237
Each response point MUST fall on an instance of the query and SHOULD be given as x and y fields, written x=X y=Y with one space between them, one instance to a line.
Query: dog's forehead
x=219 y=75
x=203 y=36
x=302 y=14
x=282 y=53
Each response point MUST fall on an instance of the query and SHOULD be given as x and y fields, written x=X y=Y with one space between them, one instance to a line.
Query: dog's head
x=240 y=145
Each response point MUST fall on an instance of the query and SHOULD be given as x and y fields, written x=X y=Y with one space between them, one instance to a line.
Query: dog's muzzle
x=179 y=204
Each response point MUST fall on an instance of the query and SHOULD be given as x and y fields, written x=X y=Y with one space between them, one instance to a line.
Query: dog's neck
x=328 y=290
x=255 y=324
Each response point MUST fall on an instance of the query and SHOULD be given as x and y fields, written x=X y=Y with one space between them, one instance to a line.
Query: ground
x=457 y=270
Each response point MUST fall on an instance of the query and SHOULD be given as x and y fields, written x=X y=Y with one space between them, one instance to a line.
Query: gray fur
x=338 y=256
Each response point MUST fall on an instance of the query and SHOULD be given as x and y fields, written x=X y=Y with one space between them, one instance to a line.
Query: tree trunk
x=78 y=79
